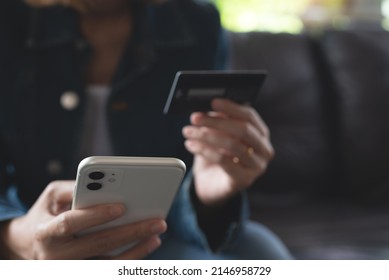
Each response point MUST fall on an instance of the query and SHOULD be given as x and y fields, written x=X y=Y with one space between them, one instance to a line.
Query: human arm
x=232 y=149
x=231 y=132
x=48 y=230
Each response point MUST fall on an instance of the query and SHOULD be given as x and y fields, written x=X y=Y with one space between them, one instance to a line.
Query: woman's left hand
x=231 y=148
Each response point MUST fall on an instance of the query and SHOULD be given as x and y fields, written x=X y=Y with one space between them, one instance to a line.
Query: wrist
x=6 y=253
x=4 y=250
x=214 y=199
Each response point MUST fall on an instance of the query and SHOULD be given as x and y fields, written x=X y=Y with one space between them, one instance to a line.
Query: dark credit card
x=192 y=91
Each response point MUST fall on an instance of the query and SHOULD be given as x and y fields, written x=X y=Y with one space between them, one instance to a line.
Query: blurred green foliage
x=267 y=15
x=263 y=15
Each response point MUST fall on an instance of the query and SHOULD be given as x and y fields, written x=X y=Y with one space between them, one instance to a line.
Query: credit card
x=193 y=91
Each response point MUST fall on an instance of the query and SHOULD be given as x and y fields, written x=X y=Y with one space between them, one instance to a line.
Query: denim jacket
x=43 y=59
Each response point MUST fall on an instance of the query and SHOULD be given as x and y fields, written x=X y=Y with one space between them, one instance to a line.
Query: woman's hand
x=49 y=230
x=231 y=147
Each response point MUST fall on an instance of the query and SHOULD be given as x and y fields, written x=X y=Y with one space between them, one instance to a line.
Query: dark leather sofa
x=326 y=102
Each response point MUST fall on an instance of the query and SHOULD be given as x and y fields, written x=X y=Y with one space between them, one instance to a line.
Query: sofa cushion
x=325 y=103
x=290 y=104
x=360 y=68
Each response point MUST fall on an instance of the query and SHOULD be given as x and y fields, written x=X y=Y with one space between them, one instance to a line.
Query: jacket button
x=69 y=100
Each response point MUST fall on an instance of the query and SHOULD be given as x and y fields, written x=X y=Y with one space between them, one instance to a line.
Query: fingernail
x=158 y=228
x=189 y=144
x=197 y=118
x=187 y=131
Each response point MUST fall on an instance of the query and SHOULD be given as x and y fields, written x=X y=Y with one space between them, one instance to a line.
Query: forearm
x=11 y=242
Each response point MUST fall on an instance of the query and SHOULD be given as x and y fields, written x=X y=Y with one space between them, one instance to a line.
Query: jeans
x=255 y=242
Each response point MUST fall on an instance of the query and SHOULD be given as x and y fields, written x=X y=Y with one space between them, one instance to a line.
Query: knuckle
x=231 y=144
x=266 y=131
x=203 y=132
x=271 y=153
x=51 y=188
x=64 y=225
x=40 y=234
x=251 y=113
x=246 y=130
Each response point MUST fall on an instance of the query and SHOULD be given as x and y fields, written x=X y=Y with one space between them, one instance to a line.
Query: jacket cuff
x=10 y=205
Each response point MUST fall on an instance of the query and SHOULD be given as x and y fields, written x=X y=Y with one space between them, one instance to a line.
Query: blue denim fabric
x=10 y=205
x=255 y=242
x=182 y=217
x=183 y=220
x=244 y=239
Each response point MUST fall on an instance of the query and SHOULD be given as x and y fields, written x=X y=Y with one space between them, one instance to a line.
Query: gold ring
x=250 y=151
x=235 y=160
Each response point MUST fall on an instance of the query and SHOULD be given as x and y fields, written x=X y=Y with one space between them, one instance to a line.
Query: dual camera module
x=96 y=175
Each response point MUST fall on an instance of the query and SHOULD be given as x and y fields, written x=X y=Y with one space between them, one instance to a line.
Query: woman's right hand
x=49 y=230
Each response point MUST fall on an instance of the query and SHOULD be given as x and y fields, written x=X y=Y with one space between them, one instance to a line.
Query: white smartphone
x=145 y=185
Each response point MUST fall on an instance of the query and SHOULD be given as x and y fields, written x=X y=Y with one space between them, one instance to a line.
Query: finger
x=103 y=242
x=60 y=195
x=141 y=250
x=252 y=166
x=75 y=221
x=244 y=131
x=240 y=112
x=240 y=176
x=237 y=128
x=230 y=146
x=213 y=156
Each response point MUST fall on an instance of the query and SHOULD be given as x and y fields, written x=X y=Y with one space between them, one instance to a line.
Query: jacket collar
x=163 y=26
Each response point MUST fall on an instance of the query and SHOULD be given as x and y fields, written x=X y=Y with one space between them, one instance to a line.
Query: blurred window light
x=385 y=8
x=295 y=16
x=385 y=14
x=262 y=15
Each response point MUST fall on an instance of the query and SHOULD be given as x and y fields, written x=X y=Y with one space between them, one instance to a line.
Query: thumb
x=61 y=196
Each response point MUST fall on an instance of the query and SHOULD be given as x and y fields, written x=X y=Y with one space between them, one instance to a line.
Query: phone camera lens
x=94 y=186
x=97 y=175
